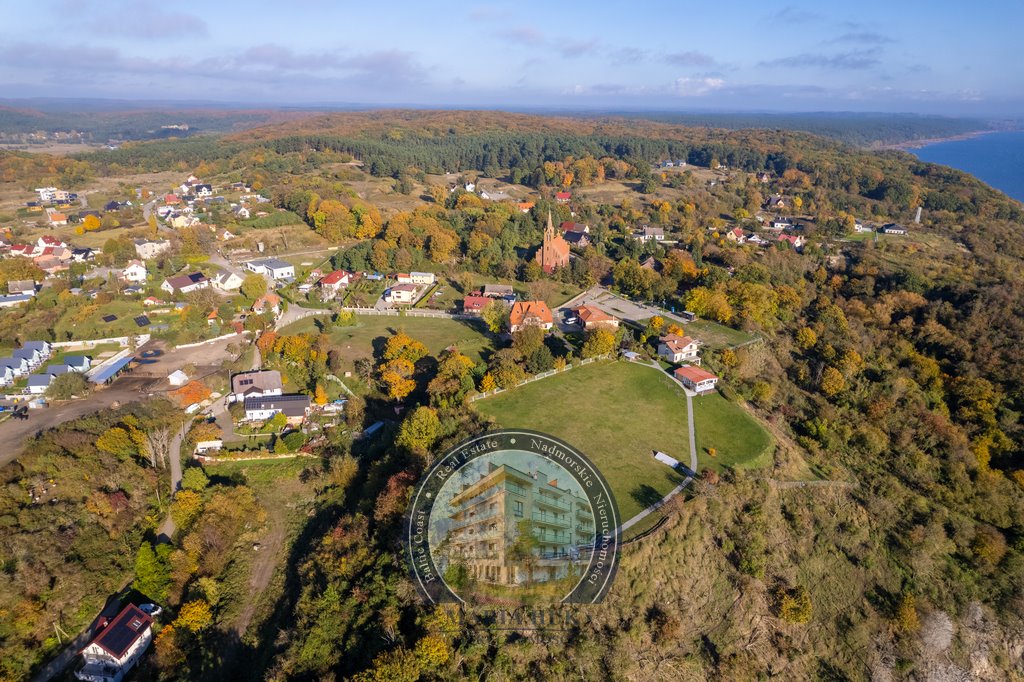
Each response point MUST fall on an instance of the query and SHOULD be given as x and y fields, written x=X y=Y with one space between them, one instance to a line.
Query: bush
x=67 y=386
x=293 y=440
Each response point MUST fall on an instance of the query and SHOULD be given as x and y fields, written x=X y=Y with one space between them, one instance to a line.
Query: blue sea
x=996 y=159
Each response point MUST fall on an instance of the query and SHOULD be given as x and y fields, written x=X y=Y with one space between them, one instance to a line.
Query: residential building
x=530 y=313
x=6 y=376
x=676 y=348
x=135 y=271
x=38 y=383
x=554 y=251
x=256 y=384
x=781 y=224
x=401 y=293
x=32 y=356
x=893 y=228
x=421 y=278
x=78 y=363
x=151 y=248
x=568 y=226
x=333 y=282
x=275 y=268
x=227 y=281
x=525 y=206
x=267 y=302
x=294 y=407
x=775 y=203
x=183 y=284
x=795 y=240
x=117 y=648
x=504 y=291
x=202 y=190
x=18 y=366
x=16 y=299
x=488 y=514
x=42 y=348
x=735 y=235
x=57 y=218
x=859 y=227
x=474 y=304
x=591 y=317
x=52 y=195
x=21 y=286
x=563 y=197
x=48 y=240
x=648 y=233
x=696 y=379
x=577 y=239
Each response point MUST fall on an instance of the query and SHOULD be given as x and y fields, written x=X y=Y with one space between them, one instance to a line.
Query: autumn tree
x=396 y=375
x=495 y=315
x=253 y=286
x=194 y=616
x=419 y=431
x=404 y=347
x=832 y=381
x=599 y=341
x=320 y=395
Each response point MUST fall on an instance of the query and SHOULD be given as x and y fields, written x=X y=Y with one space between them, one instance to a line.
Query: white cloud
x=697 y=87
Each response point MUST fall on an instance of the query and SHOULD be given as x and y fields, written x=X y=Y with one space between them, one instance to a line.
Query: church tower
x=554 y=251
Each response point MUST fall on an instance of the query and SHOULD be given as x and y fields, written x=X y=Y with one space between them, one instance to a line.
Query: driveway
x=620 y=307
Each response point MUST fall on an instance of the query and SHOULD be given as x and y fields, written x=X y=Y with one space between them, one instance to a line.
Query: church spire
x=550 y=231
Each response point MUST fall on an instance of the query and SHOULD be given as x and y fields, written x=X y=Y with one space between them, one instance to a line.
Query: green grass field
x=716 y=336
x=739 y=440
x=617 y=414
x=356 y=341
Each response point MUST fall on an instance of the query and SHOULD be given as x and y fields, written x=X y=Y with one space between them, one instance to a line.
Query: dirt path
x=265 y=562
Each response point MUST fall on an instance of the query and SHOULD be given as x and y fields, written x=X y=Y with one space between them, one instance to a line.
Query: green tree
x=194 y=479
x=253 y=286
x=832 y=381
x=153 y=571
x=67 y=386
x=116 y=441
x=495 y=315
x=420 y=430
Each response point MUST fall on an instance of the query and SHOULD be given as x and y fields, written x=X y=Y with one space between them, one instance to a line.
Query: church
x=554 y=252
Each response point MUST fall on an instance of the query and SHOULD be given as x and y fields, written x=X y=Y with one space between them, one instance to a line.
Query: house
x=294 y=407
x=6 y=376
x=675 y=348
x=893 y=228
x=262 y=383
x=736 y=235
x=42 y=347
x=56 y=218
x=48 y=240
x=475 y=304
x=183 y=284
x=415 y=278
x=859 y=227
x=18 y=366
x=563 y=197
x=118 y=647
x=82 y=255
x=202 y=190
x=24 y=250
x=151 y=248
x=780 y=224
x=267 y=302
x=503 y=291
x=212 y=318
x=241 y=212
x=525 y=206
x=757 y=240
x=177 y=378
x=78 y=363
x=470 y=187
x=494 y=195
x=38 y=383
x=530 y=313
x=11 y=301
x=591 y=317
x=151 y=301
x=648 y=233
x=795 y=240
x=275 y=268
x=554 y=250
x=21 y=286
x=180 y=220
x=112 y=205
x=401 y=293
x=333 y=282
x=577 y=239
x=32 y=356
x=227 y=281
x=171 y=200
x=569 y=226
x=763 y=178
x=696 y=379
x=775 y=202
x=135 y=271
x=49 y=195
x=57 y=370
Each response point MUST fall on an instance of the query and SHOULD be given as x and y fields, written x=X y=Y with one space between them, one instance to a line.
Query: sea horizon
x=995 y=158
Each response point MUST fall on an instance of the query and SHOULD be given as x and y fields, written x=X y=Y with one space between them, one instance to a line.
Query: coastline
x=917 y=144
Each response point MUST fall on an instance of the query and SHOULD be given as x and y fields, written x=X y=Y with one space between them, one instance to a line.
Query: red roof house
x=527 y=313
x=474 y=304
x=696 y=379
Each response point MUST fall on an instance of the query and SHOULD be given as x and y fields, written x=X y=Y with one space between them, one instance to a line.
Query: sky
x=926 y=56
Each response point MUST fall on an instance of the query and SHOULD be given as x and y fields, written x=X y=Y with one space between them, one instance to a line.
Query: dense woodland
x=892 y=368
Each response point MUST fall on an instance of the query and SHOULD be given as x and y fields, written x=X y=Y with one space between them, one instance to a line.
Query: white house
x=275 y=268
x=32 y=356
x=227 y=281
x=151 y=248
x=696 y=379
x=6 y=375
x=18 y=366
x=117 y=648
x=420 y=278
x=294 y=407
x=183 y=284
x=256 y=384
x=134 y=272
x=78 y=363
x=401 y=293
x=893 y=228
x=648 y=233
x=38 y=383
x=675 y=348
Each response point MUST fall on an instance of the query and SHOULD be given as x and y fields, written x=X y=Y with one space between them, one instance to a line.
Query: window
x=517 y=508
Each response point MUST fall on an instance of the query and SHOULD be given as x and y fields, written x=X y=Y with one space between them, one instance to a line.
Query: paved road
x=297 y=312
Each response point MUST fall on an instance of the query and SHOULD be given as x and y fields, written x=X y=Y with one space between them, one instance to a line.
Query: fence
x=92 y=343
x=538 y=377
x=218 y=338
x=387 y=312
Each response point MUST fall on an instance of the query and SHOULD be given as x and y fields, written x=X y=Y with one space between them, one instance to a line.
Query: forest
x=888 y=371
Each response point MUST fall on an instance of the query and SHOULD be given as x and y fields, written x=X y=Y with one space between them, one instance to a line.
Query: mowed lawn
x=739 y=440
x=617 y=414
x=716 y=336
